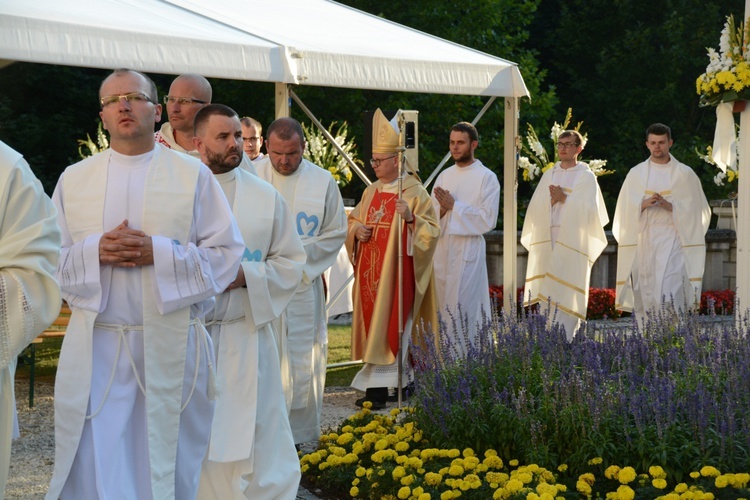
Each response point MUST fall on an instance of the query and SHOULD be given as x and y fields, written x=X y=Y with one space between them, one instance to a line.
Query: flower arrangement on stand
x=727 y=76
x=537 y=161
x=322 y=153
x=728 y=175
x=726 y=85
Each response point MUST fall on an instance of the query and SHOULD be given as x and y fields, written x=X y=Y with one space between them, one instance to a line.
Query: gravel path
x=32 y=455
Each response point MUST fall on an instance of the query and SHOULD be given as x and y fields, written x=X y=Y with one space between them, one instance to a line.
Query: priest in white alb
x=320 y=221
x=148 y=239
x=29 y=246
x=467 y=198
x=251 y=453
x=564 y=234
x=660 y=225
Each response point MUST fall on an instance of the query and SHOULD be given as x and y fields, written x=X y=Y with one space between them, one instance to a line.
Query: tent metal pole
x=281 y=100
x=448 y=155
x=510 y=205
x=743 y=214
x=330 y=138
x=338 y=294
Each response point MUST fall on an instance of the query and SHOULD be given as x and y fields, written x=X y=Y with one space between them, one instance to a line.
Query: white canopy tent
x=297 y=42
x=306 y=42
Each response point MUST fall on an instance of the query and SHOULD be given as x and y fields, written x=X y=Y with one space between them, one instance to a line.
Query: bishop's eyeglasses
x=376 y=163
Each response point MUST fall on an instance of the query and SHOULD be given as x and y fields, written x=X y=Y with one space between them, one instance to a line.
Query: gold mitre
x=385 y=137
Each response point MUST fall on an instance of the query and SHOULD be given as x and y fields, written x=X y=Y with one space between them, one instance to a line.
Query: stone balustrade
x=720 y=273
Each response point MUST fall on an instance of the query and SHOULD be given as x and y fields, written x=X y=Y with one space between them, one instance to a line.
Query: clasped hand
x=125 y=247
x=444 y=198
x=557 y=195
x=363 y=233
x=656 y=201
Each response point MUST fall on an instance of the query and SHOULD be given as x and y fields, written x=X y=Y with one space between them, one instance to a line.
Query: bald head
x=187 y=95
x=197 y=85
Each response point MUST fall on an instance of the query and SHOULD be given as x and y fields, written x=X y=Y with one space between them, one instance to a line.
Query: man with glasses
x=320 y=220
x=564 y=234
x=252 y=138
x=660 y=225
x=148 y=239
x=187 y=95
x=372 y=244
x=467 y=198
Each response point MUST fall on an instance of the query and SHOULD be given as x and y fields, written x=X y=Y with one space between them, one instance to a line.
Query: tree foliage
x=621 y=65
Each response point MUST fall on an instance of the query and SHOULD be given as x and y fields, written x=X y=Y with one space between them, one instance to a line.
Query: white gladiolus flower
x=534 y=171
x=597 y=165
x=556 y=131
x=719 y=178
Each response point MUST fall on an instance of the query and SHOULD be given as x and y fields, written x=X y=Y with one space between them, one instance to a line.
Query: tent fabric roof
x=147 y=35
x=306 y=42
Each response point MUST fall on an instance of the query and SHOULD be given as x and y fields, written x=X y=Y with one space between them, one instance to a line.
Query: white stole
x=309 y=203
x=232 y=438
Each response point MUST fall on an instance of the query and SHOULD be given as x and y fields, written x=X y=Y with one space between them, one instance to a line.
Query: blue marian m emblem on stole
x=251 y=256
x=306 y=226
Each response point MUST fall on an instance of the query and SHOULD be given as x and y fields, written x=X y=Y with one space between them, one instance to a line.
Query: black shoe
x=376 y=405
x=406 y=393
x=375 y=395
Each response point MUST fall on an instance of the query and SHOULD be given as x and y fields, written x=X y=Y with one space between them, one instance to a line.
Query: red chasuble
x=369 y=266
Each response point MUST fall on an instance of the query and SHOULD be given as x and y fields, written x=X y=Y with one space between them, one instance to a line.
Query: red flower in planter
x=717 y=302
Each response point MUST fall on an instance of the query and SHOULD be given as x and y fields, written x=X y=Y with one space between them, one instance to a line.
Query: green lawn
x=339 y=338
x=339 y=349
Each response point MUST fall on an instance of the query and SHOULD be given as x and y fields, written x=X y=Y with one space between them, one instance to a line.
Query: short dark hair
x=572 y=133
x=285 y=128
x=151 y=85
x=249 y=121
x=467 y=127
x=659 y=129
x=206 y=112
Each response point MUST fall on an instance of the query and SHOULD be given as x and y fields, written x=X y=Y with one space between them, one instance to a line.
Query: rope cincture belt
x=224 y=321
x=121 y=330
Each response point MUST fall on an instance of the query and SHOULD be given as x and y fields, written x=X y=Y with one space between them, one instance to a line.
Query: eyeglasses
x=251 y=139
x=376 y=163
x=131 y=97
x=563 y=145
x=182 y=101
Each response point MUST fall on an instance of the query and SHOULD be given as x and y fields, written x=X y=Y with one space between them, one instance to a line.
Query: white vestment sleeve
x=29 y=245
x=192 y=272
x=471 y=220
x=271 y=284
x=322 y=250
x=81 y=278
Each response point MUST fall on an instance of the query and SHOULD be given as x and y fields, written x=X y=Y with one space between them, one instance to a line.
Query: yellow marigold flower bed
x=376 y=456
